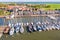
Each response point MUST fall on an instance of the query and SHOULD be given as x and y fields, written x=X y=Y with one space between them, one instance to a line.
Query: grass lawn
x=48 y=35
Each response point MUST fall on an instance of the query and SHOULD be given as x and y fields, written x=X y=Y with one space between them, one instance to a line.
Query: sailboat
x=17 y=26
x=11 y=32
x=50 y=27
x=57 y=27
x=30 y=27
x=34 y=28
x=44 y=27
x=47 y=27
x=53 y=27
x=21 y=28
x=39 y=28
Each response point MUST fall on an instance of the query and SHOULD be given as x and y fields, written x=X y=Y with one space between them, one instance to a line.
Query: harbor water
x=42 y=19
x=2 y=21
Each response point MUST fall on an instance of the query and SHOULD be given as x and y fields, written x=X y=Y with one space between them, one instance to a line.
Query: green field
x=54 y=6
x=48 y=35
x=49 y=6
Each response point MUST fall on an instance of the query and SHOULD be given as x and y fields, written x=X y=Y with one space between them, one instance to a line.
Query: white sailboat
x=38 y=27
x=44 y=27
x=53 y=27
x=17 y=28
x=21 y=28
x=50 y=27
x=34 y=28
x=47 y=28
x=11 y=32
x=57 y=27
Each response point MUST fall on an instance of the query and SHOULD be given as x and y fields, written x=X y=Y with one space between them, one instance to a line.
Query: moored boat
x=11 y=32
x=21 y=28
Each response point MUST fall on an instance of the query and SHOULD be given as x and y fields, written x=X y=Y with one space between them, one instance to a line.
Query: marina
x=24 y=22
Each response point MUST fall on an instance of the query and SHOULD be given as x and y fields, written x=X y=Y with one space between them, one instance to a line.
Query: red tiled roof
x=11 y=7
x=20 y=7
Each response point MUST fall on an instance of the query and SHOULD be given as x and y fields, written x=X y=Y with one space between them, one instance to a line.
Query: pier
x=21 y=16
